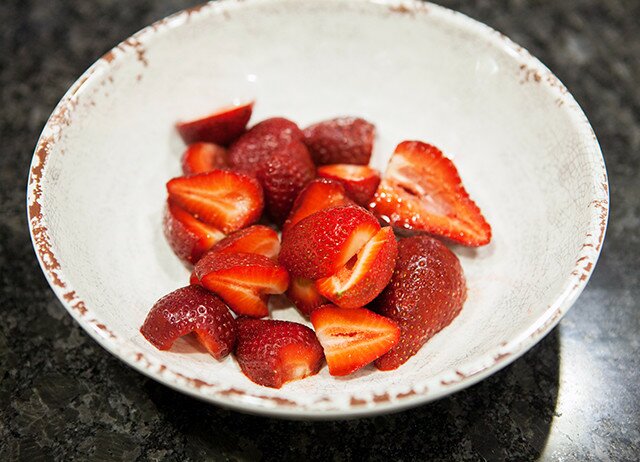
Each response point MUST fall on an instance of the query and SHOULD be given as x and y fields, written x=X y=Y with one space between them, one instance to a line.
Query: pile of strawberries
x=369 y=296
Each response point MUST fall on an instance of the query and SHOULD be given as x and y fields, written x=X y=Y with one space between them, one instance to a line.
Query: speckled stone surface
x=575 y=396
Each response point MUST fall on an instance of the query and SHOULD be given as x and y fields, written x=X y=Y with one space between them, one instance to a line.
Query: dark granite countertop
x=575 y=396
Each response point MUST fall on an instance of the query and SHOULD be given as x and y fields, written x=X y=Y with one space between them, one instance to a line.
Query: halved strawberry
x=243 y=280
x=304 y=295
x=222 y=127
x=322 y=243
x=254 y=239
x=203 y=157
x=191 y=309
x=249 y=153
x=193 y=278
x=351 y=339
x=344 y=140
x=426 y=292
x=359 y=181
x=319 y=194
x=227 y=200
x=272 y=353
x=284 y=174
x=365 y=275
x=187 y=236
x=421 y=190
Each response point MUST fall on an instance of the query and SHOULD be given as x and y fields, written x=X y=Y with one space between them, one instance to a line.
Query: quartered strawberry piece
x=320 y=244
x=319 y=194
x=365 y=275
x=351 y=339
x=359 y=181
x=203 y=157
x=188 y=310
x=243 y=280
x=304 y=295
x=188 y=237
x=344 y=140
x=224 y=199
x=272 y=353
x=222 y=127
x=421 y=190
x=250 y=152
x=254 y=239
x=284 y=174
x=426 y=292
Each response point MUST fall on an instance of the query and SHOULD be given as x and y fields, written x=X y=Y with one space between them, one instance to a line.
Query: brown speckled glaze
x=526 y=71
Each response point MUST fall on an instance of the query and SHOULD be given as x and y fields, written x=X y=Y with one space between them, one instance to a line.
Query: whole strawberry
x=344 y=140
x=426 y=292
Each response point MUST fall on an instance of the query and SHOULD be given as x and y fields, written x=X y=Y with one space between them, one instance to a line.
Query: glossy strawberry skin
x=243 y=280
x=221 y=127
x=272 y=353
x=320 y=244
x=203 y=157
x=422 y=191
x=254 y=239
x=344 y=140
x=188 y=237
x=188 y=310
x=360 y=182
x=426 y=292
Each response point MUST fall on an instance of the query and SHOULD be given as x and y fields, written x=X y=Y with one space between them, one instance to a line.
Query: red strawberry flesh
x=272 y=353
x=221 y=127
x=421 y=190
x=359 y=181
x=254 y=239
x=304 y=295
x=351 y=339
x=243 y=280
x=188 y=310
x=426 y=292
x=203 y=157
x=344 y=140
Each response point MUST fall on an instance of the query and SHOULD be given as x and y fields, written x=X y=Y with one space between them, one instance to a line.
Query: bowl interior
x=522 y=146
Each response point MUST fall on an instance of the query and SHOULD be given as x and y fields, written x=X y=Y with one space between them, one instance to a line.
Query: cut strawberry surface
x=193 y=279
x=304 y=295
x=320 y=244
x=365 y=275
x=221 y=127
x=188 y=237
x=319 y=194
x=426 y=292
x=351 y=339
x=188 y=310
x=203 y=157
x=344 y=140
x=272 y=353
x=254 y=239
x=226 y=200
x=359 y=181
x=421 y=190
x=243 y=280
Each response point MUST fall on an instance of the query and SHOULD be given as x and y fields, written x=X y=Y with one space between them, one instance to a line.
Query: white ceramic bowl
x=524 y=149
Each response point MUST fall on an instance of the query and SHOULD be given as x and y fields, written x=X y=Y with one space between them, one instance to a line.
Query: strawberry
x=320 y=244
x=351 y=339
x=359 y=181
x=254 y=239
x=272 y=353
x=193 y=278
x=191 y=309
x=284 y=174
x=222 y=127
x=344 y=140
x=188 y=237
x=426 y=292
x=365 y=275
x=226 y=200
x=304 y=295
x=319 y=194
x=421 y=190
x=203 y=157
x=250 y=152
x=243 y=280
